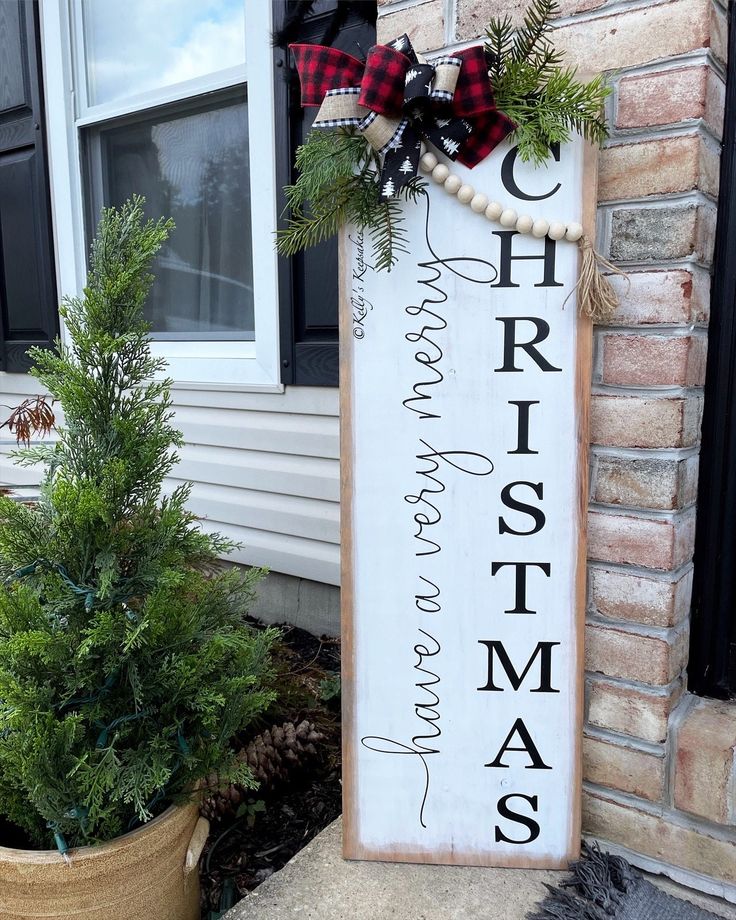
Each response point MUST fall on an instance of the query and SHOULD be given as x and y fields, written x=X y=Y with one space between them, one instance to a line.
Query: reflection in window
x=193 y=167
x=133 y=46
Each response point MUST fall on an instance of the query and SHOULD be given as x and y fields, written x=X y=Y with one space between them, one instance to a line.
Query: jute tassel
x=596 y=296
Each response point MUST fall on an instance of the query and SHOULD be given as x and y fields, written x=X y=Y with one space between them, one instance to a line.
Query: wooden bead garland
x=597 y=296
x=452 y=184
x=494 y=210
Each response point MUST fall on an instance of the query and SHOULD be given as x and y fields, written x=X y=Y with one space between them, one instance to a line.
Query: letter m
x=543 y=651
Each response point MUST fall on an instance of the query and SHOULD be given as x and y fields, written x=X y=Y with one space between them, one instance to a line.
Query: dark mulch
x=273 y=824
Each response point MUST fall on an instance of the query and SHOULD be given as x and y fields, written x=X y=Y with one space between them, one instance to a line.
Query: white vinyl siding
x=266 y=473
x=265 y=469
x=14 y=388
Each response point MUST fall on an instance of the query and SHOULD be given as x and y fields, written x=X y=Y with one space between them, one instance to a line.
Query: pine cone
x=272 y=756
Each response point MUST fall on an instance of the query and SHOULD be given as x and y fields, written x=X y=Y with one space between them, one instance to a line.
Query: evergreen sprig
x=126 y=665
x=545 y=100
x=338 y=183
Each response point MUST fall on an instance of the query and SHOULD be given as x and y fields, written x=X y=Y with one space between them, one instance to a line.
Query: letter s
x=536 y=514
x=528 y=822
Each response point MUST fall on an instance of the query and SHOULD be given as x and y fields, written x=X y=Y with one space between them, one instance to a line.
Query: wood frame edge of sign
x=352 y=849
x=349 y=785
x=584 y=370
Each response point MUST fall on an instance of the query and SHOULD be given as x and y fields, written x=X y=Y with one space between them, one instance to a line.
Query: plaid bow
x=397 y=98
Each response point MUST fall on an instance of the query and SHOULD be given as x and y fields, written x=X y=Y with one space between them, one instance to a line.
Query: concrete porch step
x=318 y=884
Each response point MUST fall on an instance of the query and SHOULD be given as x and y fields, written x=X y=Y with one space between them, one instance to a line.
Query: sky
x=139 y=45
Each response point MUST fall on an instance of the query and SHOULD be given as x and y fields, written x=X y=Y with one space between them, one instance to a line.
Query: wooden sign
x=465 y=380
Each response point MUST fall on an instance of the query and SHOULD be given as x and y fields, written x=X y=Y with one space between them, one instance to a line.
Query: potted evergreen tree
x=126 y=664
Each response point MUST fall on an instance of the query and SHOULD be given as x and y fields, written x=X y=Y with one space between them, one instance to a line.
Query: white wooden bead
x=508 y=218
x=556 y=230
x=524 y=223
x=428 y=162
x=453 y=183
x=540 y=227
x=494 y=210
x=465 y=194
x=479 y=203
x=574 y=232
x=440 y=173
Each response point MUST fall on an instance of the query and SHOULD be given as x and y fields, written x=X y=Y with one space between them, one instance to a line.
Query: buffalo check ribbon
x=396 y=99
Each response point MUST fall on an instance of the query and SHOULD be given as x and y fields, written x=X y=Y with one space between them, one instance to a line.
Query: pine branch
x=545 y=100
x=499 y=45
x=322 y=221
x=532 y=38
x=387 y=235
x=339 y=184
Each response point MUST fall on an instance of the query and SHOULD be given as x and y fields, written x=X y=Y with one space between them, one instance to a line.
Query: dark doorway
x=712 y=667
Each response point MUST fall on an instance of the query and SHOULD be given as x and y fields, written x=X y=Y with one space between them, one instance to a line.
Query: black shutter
x=28 y=307
x=308 y=282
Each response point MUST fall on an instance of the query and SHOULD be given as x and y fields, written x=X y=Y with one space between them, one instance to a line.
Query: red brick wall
x=659 y=765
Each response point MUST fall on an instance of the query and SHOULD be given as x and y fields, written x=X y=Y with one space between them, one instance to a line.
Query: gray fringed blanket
x=605 y=887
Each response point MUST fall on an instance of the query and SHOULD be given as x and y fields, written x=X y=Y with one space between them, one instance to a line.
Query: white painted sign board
x=465 y=374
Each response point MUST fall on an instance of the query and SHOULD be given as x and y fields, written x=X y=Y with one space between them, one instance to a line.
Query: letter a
x=528 y=748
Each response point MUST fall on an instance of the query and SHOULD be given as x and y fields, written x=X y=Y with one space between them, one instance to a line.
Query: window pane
x=193 y=167
x=135 y=45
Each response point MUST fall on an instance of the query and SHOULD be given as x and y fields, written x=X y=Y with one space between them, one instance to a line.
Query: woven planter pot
x=150 y=872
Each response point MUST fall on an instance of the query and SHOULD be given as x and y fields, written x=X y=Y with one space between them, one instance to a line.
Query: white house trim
x=241 y=364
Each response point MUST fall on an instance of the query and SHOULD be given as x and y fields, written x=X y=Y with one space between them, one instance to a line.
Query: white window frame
x=197 y=364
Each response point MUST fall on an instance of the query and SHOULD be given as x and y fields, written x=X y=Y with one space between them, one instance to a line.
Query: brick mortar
x=677 y=716
x=669 y=634
x=658 y=201
x=650 y=392
x=655 y=202
x=731 y=791
x=625 y=741
x=669 y=331
x=646 y=514
x=395 y=6
x=450 y=20
x=696 y=57
x=623 y=683
x=621 y=136
x=660 y=265
x=638 y=511
x=687 y=58
x=609 y=10
x=679 y=331
x=667 y=577
x=649 y=135
x=644 y=453
x=607 y=389
x=672 y=815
